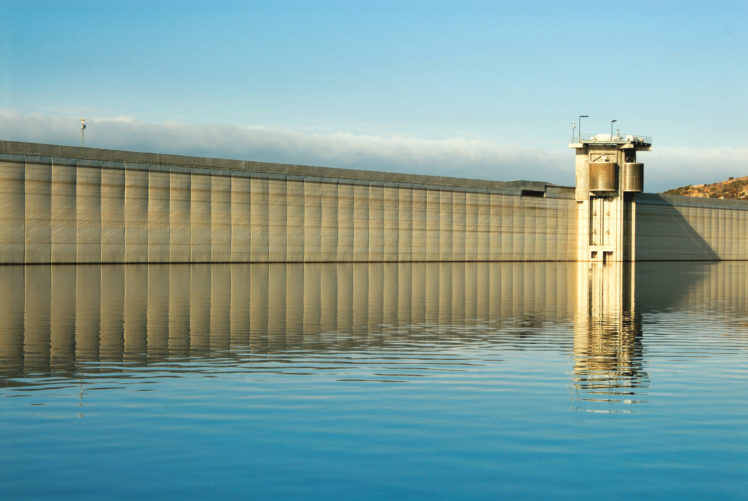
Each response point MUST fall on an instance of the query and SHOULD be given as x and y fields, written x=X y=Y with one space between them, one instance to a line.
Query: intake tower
x=608 y=177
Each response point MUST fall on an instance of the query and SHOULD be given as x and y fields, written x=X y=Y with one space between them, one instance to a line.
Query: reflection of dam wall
x=670 y=227
x=720 y=288
x=613 y=305
x=57 y=316
x=82 y=205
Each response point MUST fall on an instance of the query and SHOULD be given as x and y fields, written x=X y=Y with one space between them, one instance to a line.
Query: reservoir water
x=357 y=381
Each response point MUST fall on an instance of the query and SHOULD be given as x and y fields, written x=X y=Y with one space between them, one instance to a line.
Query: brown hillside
x=733 y=188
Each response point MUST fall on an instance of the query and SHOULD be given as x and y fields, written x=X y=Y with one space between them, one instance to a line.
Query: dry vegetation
x=733 y=188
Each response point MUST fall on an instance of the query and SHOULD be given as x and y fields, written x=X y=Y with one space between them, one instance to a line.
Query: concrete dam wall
x=83 y=205
x=63 y=204
x=677 y=228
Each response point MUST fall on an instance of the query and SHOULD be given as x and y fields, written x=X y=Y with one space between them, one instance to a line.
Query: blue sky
x=479 y=89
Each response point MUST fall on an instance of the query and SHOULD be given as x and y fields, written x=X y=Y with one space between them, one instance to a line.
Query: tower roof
x=640 y=143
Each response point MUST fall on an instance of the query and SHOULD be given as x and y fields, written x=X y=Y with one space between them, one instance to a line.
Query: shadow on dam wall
x=678 y=229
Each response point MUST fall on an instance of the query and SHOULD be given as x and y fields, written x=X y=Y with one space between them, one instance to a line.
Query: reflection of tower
x=607 y=335
x=80 y=398
x=607 y=180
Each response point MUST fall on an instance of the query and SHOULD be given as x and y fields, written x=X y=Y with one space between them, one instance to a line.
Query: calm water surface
x=477 y=380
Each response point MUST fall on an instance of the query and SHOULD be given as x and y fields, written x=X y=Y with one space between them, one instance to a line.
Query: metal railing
x=622 y=138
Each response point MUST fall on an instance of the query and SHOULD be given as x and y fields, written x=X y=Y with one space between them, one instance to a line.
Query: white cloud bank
x=458 y=157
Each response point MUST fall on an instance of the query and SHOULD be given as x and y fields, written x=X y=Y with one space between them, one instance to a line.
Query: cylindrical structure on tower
x=633 y=177
x=602 y=177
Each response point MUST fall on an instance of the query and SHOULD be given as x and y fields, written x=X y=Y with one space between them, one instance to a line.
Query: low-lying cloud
x=457 y=156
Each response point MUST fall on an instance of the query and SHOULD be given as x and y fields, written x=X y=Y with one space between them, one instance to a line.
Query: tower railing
x=616 y=138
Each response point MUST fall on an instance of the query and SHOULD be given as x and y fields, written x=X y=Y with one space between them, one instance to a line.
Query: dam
x=63 y=204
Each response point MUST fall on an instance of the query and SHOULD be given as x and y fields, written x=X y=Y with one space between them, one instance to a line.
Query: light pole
x=83 y=130
x=580 y=125
x=573 y=130
x=611 y=128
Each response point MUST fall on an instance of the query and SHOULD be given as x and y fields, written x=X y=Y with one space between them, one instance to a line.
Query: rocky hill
x=733 y=188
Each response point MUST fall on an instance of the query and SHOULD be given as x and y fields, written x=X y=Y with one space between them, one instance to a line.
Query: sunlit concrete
x=82 y=205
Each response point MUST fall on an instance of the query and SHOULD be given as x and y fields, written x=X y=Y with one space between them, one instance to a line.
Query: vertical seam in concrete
x=25 y=195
